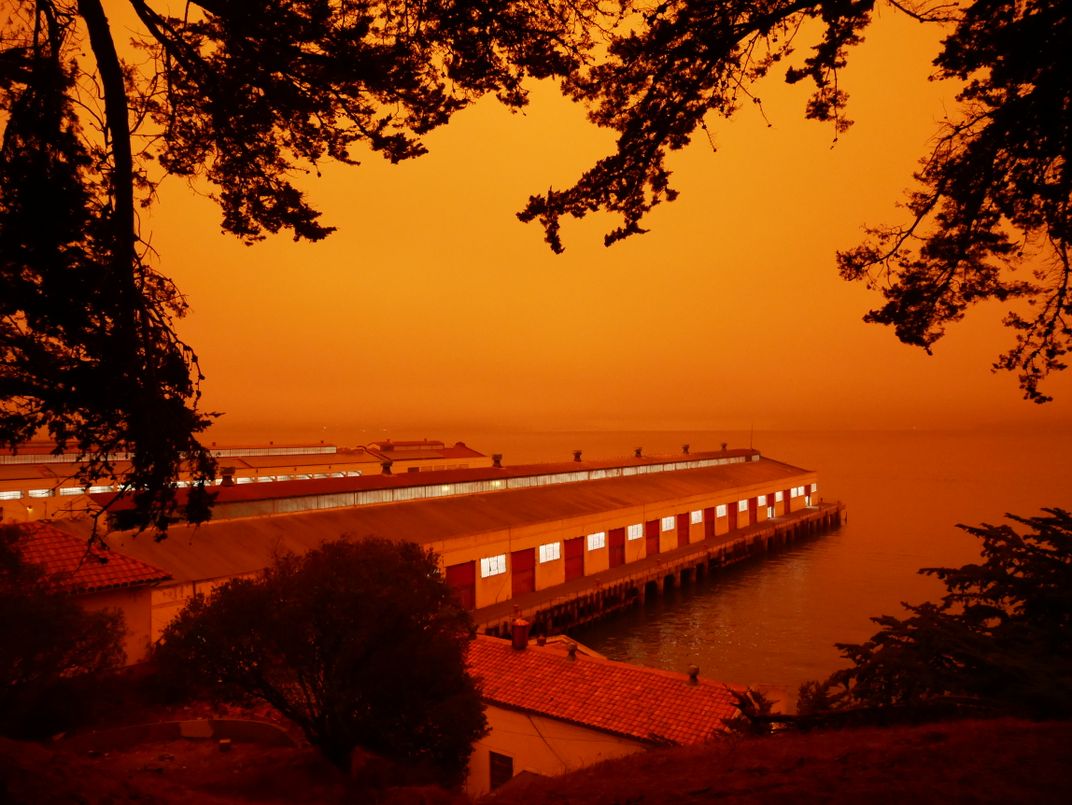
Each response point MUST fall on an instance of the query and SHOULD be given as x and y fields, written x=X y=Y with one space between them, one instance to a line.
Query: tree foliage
x=361 y=644
x=48 y=644
x=999 y=641
x=247 y=96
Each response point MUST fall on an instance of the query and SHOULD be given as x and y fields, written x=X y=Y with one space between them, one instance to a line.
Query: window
x=492 y=565
x=696 y=517
x=742 y=505
x=501 y=768
x=40 y=493
x=550 y=551
x=721 y=510
x=779 y=497
x=668 y=523
x=597 y=540
x=13 y=494
x=761 y=500
x=635 y=531
x=814 y=488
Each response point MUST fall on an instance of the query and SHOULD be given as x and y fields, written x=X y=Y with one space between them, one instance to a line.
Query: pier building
x=566 y=541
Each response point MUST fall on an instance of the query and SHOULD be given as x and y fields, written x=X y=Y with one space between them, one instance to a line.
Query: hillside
x=1004 y=761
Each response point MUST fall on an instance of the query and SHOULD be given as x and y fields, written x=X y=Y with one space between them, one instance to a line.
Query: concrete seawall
x=592 y=597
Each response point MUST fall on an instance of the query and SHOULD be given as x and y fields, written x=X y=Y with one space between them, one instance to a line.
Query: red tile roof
x=646 y=704
x=75 y=566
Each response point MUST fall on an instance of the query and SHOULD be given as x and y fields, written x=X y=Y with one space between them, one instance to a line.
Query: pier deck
x=591 y=597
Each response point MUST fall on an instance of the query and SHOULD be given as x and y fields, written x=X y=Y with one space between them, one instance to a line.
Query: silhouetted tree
x=361 y=644
x=999 y=641
x=48 y=645
x=248 y=93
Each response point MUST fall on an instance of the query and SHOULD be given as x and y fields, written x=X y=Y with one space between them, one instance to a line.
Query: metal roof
x=237 y=546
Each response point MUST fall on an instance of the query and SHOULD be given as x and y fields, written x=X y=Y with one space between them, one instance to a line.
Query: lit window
x=66 y=490
x=40 y=493
x=550 y=551
x=814 y=488
x=721 y=510
x=742 y=505
x=492 y=565
x=597 y=540
x=762 y=500
x=779 y=497
x=696 y=517
x=794 y=492
x=96 y=490
x=13 y=494
x=635 y=531
x=668 y=523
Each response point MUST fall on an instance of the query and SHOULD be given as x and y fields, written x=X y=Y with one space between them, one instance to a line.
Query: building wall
x=541 y=745
x=490 y=544
x=135 y=605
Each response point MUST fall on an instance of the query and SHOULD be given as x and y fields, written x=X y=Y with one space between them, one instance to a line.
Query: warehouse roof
x=236 y=546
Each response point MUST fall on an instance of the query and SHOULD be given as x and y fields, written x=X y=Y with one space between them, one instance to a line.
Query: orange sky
x=433 y=308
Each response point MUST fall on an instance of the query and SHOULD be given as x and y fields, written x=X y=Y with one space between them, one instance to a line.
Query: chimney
x=386 y=466
x=496 y=459
x=694 y=675
x=685 y=449
x=576 y=455
x=520 y=634
x=638 y=453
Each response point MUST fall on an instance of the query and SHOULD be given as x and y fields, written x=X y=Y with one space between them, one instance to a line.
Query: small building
x=553 y=708
x=100 y=579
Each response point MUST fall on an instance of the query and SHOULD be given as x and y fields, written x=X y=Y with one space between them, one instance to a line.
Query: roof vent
x=724 y=446
x=685 y=449
x=694 y=675
x=576 y=455
x=520 y=634
x=638 y=452
x=386 y=466
x=496 y=460
x=571 y=650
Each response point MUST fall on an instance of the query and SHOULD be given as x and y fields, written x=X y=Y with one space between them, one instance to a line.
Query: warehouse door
x=682 y=530
x=616 y=542
x=753 y=511
x=574 y=558
x=523 y=572
x=651 y=537
x=732 y=512
x=462 y=580
x=785 y=501
x=709 y=523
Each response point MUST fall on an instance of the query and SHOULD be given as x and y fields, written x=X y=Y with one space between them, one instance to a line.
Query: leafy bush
x=999 y=641
x=361 y=644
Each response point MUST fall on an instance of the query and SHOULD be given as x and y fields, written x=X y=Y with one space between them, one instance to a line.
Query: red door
x=462 y=580
x=732 y=511
x=709 y=523
x=523 y=572
x=785 y=501
x=753 y=511
x=574 y=558
x=682 y=530
x=651 y=537
x=616 y=543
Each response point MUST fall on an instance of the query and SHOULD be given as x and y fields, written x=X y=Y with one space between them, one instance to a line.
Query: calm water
x=775 y=620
